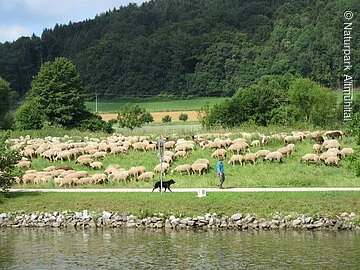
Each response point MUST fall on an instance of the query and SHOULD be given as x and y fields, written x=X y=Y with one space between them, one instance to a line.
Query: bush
x=95 y=123
x=183 y=117
x=167 y=119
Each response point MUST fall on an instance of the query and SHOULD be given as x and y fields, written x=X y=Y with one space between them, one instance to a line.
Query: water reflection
x=137 y=249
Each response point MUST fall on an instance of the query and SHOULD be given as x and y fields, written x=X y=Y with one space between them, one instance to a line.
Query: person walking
x=220 y=172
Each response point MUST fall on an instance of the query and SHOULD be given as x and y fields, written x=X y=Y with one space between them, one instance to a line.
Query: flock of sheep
x=91 y=152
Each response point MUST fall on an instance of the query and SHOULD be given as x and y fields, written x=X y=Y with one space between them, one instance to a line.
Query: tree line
x=182 y=48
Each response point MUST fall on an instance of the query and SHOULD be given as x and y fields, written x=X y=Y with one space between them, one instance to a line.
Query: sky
x=26 y=17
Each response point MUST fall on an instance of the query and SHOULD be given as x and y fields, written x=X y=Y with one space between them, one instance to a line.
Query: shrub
x=167 y=119
x=183 y=117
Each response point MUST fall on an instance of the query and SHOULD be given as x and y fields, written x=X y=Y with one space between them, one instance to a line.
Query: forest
x=186 y=48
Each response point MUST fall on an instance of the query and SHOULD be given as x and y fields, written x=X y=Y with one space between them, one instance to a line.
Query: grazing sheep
x=310 y=158
x=66 y=154
x=202 y=161
x=146 y=176
x=326 y=155
x=219 y=153
x=24 y=164
x=238 y=147
x=335 y=150
x=49 y=169
x=99 y=178
x=180 y=154
x=286 y=151
x=111 y=168
x=167 y=159
x=236 y=159
x=119 y=150
x=332 y=161
x=317 y=148
x=100 y=154
x=163 y=167
x=331 y=144
x=119 y=176
x=251 y=157
x=201 y=168
x=334 y=134
x=274 y=156
x=169 y=145
x=255 y=143
x=96 y=165
x=346 y=151
x=262 y=153
x=182 y=168
x=136 y=171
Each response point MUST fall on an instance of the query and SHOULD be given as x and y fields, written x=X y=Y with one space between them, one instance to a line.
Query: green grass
x=188 y=204
x=159 y=106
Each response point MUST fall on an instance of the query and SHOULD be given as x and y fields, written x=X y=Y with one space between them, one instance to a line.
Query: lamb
x=96 y=165
x=182 y=168
x=146 y=176
x=274 y=156
x=255 y=143
x=346 y=151
x=219 y=153
x=332 y=161
x=317 y=148
x=264 y=140
x=310 y=158
x=236 y=159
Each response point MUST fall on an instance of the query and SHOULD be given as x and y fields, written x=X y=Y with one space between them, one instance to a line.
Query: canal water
x=29 y=248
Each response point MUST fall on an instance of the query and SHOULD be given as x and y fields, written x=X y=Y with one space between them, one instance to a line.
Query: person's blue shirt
x=219 y=167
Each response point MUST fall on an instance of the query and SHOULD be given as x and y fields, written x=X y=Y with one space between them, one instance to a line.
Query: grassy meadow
x=291 y=173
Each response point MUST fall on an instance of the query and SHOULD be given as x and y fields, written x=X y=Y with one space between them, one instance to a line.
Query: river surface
x=29 y=248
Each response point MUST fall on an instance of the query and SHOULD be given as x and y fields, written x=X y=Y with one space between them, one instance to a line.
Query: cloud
x=13 y=32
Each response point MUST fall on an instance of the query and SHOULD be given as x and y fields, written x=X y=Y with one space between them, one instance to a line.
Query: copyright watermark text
x=347 y=65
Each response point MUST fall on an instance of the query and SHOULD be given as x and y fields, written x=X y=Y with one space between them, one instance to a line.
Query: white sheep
x=100 y=154
x=24 y=164
x=236 y=159
x=285 y=151
x=180 y=154
x=182 y=168
x=332 y=161
x=317 y=148
x=136 y=171
x=255 y=143
x=146 y=176
x=326 y=155
x=238 y=147
x=310 y=158
x=219 y=153
x=274 y=156
x=250 y=157
x=99 y=178
x=201 y=168
x=119 y=176
x=262 y=153
x=97 y=165
x=346 y=151
x=163 y=167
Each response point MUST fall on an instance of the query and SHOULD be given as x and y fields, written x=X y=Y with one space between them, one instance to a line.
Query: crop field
x=159 y=106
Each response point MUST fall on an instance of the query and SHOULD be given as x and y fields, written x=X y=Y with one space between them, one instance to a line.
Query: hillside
x=181 y=48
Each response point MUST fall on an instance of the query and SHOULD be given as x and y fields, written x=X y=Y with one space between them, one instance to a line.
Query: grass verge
x=263 y=204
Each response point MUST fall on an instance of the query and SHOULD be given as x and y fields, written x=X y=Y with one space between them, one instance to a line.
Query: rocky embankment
x=238 y=221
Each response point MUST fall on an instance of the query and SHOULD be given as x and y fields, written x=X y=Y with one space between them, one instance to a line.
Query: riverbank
x=238 y=221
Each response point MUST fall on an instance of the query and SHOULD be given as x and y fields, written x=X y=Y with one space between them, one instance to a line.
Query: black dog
x=165 y=185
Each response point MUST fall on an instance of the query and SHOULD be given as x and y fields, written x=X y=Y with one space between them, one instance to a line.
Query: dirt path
x=192 y=116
